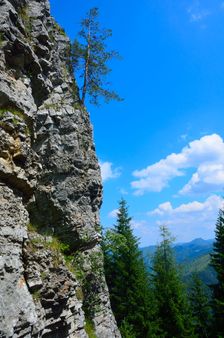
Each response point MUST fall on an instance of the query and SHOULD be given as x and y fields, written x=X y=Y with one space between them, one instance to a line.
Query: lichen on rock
x=51 y=266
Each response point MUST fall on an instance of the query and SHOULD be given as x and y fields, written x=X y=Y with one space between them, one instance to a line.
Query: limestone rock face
x=51 y=266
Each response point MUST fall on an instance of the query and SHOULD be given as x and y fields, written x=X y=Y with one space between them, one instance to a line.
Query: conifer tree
x=217 y=261
x=90 y=57
x=173 y=311
x=127 y=278
x=201 y=310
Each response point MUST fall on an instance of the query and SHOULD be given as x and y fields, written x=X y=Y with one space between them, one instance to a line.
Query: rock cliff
x=51 y=266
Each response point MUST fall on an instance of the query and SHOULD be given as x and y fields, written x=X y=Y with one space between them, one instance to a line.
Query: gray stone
x=49 y=184
x=16 y=303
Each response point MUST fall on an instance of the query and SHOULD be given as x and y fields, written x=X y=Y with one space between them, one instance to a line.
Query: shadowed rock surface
x=51 y=265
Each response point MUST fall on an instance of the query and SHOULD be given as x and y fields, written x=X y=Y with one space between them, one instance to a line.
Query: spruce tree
x=200 y=306
x=172 y=308
x=127 y=277
x=217 y=261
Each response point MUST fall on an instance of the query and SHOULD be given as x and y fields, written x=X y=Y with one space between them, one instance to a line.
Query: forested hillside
x=191 y=257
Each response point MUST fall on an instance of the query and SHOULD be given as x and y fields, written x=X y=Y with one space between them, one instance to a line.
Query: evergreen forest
x=155 y=302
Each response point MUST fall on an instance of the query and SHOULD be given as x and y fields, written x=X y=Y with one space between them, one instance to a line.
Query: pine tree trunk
x=84 y=89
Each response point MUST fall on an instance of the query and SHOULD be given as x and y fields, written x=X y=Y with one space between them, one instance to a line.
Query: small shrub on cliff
x=23 y=14
x=57 y=247
x=89 y=328
x=15 y=112
x=31 y=227
x=18 y=117
x=36 y=295
x=79 y=293
x=43 y=275
x=60 y=29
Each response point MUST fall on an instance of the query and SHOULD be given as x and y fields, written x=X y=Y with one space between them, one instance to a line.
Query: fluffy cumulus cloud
x=205 y=156
x=211 y=205
x=189 y=220
x=108 y=172
x=142 y=225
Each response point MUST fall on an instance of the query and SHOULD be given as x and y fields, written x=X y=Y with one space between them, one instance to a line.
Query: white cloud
x=205 y=155
x=189 y=220
x=138 y=224
x=147 y=232
x=113 y=213
x=162 y=208
x=185 y=221
x=107 y=171
x=211 y=204
x=208 y=177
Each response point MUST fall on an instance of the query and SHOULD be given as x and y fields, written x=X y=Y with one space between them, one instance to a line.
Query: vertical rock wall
x=51 y=267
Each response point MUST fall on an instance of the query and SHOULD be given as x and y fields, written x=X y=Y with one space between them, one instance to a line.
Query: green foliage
x=15 y=112
x=56 y=246
x=69 y=262
x=126 y=277
x=60 y=29
x=24 y=15
x=112 y=241
x=2 y=39
x=43 y=275
x=18 y=115
x=202 y=267
x=89 y=328
x=217 y=262
x=90 y=58
x=31 y=227
x=191 y=257
x=172 y=308
x=78 y=105
x=52 y=244
x=96 y=260
x=201 y=311
x=91 y=283
x=127 y=330
x=77 y=264
x=197 y=265
x=36 y=295
x=79 y=293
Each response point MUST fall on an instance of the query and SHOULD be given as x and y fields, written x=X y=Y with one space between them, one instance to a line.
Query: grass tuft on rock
x=89 y=328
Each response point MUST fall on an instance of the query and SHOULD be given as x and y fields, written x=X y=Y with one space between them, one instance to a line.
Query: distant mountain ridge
x=188 y=251
x=193 y=256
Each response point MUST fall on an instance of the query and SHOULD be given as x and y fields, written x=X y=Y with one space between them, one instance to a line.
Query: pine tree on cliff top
x=217 y=261
x=127 y=277
x=90 y=57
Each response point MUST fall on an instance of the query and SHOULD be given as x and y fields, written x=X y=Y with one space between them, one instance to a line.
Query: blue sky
x=162 y=147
